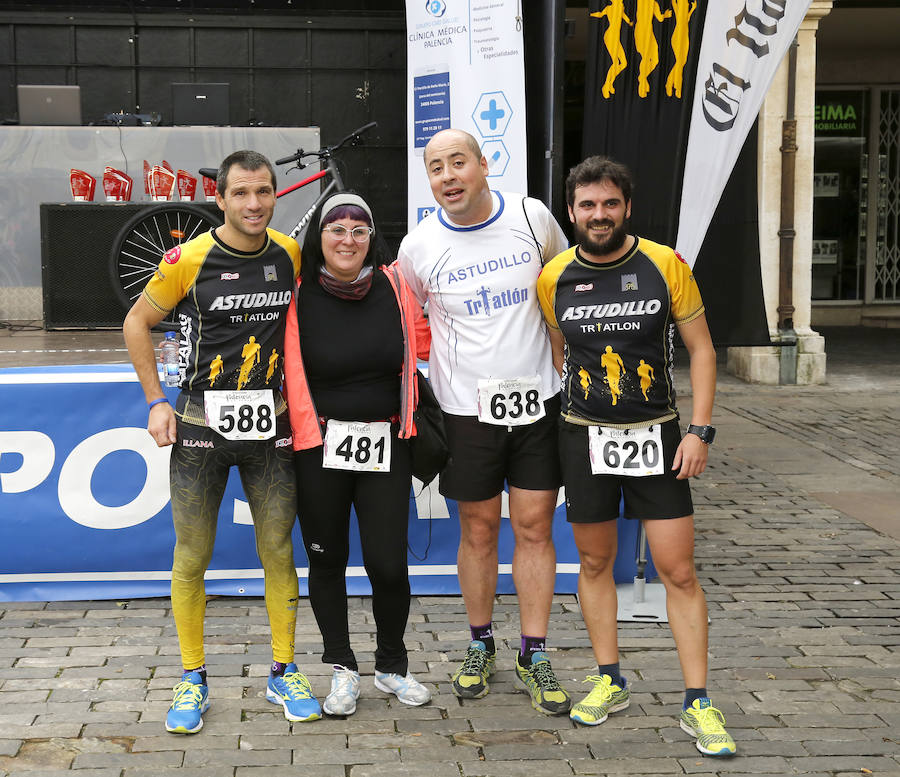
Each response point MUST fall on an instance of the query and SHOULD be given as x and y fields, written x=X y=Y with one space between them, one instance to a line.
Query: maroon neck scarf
x=347 y=290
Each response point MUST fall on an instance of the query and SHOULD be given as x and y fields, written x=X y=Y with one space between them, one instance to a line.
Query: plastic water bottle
x=171 y=369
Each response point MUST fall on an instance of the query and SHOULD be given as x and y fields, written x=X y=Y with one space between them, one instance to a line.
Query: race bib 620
x=630 y=452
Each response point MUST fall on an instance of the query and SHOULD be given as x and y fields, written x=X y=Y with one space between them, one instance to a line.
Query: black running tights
x=381 y=501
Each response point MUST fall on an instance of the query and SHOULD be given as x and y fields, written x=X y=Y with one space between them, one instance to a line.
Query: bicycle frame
x=137 y=247
x=335 y=184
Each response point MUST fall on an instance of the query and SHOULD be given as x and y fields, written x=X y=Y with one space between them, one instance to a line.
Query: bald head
x=458 y=176
x=454 y=137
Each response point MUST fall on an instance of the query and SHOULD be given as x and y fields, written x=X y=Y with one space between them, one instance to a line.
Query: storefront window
x=840 y=183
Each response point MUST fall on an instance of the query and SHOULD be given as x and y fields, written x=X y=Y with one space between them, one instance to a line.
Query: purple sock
x=530 y=646
x=277 y=669
x=201 y=670
x=485 y=634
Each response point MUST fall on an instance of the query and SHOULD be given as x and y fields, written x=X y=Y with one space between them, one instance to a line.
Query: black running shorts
x=594 y=498
x=483 y=456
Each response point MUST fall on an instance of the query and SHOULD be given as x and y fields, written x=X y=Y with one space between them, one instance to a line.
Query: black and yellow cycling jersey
x=230 y=308
x=618 y=322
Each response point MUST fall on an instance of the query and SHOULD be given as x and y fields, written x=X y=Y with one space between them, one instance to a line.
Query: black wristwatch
x=706 y=433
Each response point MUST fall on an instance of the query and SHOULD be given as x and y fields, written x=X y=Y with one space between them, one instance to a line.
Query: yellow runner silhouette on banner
x=645 y=42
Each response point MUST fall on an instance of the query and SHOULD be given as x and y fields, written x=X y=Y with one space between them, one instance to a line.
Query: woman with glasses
x=351 y=346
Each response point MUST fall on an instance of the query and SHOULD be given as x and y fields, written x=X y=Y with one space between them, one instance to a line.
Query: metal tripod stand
x=640 y=600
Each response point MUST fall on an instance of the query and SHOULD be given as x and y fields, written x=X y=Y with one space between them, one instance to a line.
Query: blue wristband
x=156 y=402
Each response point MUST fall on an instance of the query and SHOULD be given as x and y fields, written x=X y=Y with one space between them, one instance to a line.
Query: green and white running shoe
x=707 y=724
x=470 y=681
x=538 y=680
x=604 y=698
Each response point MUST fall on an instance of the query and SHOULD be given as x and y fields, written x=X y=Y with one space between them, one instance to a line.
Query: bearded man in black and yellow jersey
x=612 y=304
x=229 y=289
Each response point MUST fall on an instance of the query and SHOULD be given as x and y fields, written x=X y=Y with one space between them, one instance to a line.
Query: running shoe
x=604 y=698
x=190 y=702
x=407 y=689
x=470 y=681
x=294 y=693
x=344 y=692
x=707 y=724
x=538 y=680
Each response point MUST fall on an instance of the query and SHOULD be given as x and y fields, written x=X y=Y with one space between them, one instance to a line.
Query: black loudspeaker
x=76 y=239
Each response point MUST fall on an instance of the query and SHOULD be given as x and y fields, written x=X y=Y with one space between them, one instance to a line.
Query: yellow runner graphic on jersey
x=250 y=355
x=614 y=366
x=647 y=375
x=215 y=369
x=273 y=365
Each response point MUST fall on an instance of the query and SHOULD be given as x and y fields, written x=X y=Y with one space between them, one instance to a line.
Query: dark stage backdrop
x=640 y=74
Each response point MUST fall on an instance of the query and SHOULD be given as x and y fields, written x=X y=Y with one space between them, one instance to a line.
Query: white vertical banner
x=743 y=44
x=465 y=70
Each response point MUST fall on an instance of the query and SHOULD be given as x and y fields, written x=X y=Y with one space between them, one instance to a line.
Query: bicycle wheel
x=142 y=241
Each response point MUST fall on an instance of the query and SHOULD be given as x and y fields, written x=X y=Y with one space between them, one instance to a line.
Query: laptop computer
x=200 y=104
x=49 y=105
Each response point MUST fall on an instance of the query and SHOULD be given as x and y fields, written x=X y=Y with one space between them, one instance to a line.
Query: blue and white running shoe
x=190 y=702
x=294 y=693
x=407 y=689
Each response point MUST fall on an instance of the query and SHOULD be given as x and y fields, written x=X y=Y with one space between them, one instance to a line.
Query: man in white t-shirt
x=475 y=262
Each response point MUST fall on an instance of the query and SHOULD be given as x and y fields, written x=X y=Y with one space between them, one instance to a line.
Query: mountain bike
x=143 y=239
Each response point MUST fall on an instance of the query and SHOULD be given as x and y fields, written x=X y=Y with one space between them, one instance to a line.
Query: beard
x=612 y=243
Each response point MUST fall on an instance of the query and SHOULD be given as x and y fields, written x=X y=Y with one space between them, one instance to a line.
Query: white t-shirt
x=480 y=285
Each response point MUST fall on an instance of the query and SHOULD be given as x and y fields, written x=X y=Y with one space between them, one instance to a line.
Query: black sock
x=201 y=670
x=692 y=694
x=277 y=669
x=484 y=634
x=613 y=671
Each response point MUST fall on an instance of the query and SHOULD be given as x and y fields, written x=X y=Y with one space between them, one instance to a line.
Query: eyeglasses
x=359 y=234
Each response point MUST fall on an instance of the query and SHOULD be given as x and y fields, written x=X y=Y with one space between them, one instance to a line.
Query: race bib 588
x=241 y=415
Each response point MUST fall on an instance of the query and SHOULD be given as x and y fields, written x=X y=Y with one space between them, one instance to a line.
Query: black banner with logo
x=640 y=74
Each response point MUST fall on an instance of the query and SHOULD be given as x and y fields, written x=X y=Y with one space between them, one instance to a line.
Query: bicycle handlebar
x=292 y=158
x=354 y=136
x=325 y=151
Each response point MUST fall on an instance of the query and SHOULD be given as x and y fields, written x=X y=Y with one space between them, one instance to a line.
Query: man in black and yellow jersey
x=612 y=303
x=229 y=289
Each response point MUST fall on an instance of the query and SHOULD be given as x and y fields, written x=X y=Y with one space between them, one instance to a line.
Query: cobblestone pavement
x=804 y=640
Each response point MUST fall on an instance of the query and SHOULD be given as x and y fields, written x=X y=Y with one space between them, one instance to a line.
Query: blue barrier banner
x=84 y=504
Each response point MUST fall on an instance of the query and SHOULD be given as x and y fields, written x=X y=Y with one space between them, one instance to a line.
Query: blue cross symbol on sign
x=493 y=114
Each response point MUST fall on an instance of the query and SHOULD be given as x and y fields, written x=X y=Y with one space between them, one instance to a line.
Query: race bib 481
x=357 y=445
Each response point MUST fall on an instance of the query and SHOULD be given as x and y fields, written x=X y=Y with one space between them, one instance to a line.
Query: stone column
x=762 y=364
